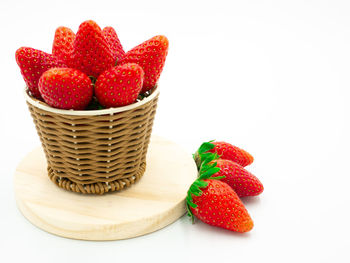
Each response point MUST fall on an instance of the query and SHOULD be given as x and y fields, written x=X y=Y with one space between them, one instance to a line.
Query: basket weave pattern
x=95 y=154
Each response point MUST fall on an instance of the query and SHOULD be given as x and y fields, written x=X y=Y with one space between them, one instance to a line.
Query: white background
x=269 y=76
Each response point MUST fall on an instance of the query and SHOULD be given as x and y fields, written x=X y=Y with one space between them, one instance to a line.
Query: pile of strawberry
x=91 y=68
x=214 y=197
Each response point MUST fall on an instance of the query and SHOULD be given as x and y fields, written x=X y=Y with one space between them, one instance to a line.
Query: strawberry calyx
x=206 y=171
x=202 y=154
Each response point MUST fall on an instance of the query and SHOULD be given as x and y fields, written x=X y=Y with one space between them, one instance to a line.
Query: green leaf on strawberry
x=203 y=156
x=94 y=105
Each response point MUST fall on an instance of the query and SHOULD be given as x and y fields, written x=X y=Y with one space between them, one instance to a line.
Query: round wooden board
x=154 y=202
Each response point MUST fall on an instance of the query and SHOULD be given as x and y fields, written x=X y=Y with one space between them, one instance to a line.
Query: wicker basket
x=96 y=151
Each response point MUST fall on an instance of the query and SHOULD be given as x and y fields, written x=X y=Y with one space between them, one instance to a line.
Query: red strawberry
x=62 y=46
x=230 y=152
x=241 y=181
x=66 y=88
x=150 y=55
x=215 y=203
x=120 y=85
x=114 y=43
x=92 y=54
x=33 y=63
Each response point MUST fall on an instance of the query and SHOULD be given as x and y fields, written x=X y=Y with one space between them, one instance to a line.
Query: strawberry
x=230 y=152
x=241 y=181
x=62 y=46
x=226 y=151
x=214 y=202
x=33 y=63
x=91 y=52
x=66 y=88
x=114 y=43
x=119 y=86
x=150 y=55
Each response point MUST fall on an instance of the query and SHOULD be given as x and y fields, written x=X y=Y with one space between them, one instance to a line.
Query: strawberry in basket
x=114 y=43
x=63 y=44
x=96 y=54
x=150 y=55
x=91 y=51
x=33 y=63
x=120 y=85
x=66 y=88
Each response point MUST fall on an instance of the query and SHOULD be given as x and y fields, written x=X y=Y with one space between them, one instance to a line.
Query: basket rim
x=41 y=105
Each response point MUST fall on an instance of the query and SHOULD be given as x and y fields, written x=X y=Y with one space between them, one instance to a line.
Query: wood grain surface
x=154 y=202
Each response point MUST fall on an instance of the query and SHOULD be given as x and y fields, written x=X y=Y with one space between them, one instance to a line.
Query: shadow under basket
x=95 y=151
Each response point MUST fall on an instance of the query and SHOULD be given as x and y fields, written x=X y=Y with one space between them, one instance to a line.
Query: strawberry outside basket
x=95 y=151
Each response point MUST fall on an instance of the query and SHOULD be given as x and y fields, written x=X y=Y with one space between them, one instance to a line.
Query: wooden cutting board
x=154 y=202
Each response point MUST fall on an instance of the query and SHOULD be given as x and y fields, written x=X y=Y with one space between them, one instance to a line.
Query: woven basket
x=96 y=151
